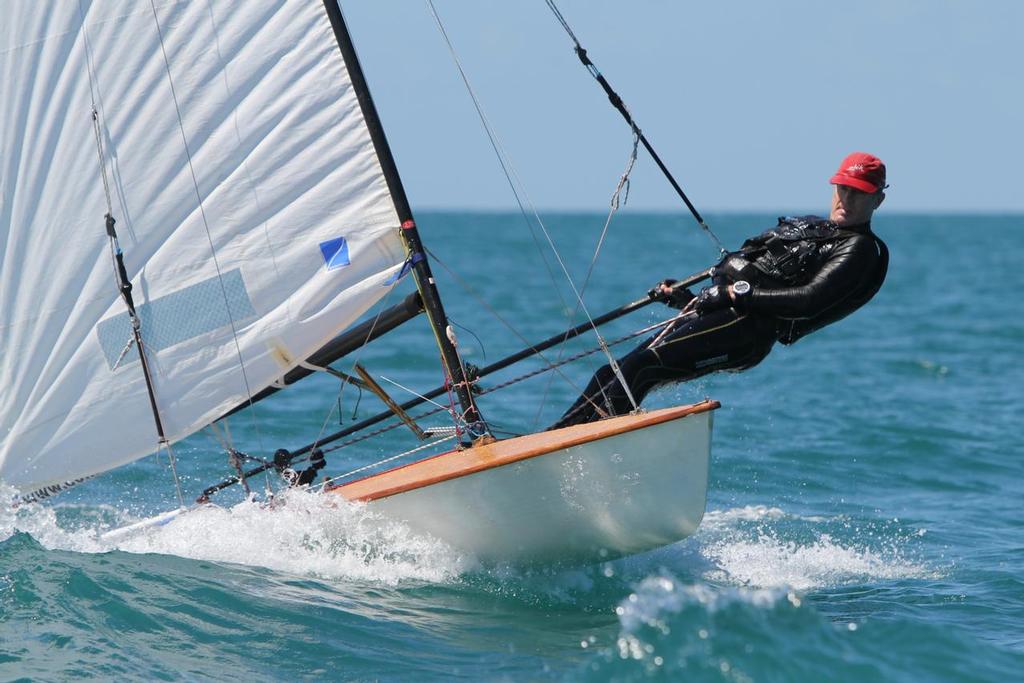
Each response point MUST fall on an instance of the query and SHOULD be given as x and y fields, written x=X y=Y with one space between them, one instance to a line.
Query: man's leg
x=723 y=340
x=604 y=395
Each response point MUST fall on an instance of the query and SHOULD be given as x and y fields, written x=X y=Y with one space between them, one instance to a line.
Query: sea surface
x=864 y=516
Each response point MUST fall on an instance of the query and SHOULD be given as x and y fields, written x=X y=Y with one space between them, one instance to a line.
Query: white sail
x=254 y=216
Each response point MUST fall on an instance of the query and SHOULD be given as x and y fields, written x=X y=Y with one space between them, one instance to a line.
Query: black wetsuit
x=805 y=273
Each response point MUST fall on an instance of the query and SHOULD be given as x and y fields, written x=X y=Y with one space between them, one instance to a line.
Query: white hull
x=627 y=485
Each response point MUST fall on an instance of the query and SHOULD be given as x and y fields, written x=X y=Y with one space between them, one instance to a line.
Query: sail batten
x=250 y=203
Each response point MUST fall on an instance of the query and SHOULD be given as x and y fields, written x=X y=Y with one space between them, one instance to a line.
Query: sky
x=751 y=104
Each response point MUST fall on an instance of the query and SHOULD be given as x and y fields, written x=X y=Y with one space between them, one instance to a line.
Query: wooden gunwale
x=459 y=463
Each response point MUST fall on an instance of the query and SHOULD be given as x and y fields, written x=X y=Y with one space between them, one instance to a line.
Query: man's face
x=851 y=206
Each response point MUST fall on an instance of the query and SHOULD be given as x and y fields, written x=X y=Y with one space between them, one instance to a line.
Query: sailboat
x=199 y=208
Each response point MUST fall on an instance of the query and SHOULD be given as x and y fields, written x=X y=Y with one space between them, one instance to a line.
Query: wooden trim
x=459 y=463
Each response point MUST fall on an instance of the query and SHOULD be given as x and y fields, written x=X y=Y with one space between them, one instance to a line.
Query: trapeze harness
x=783 y=255
x=806 y=272
x=795 y=270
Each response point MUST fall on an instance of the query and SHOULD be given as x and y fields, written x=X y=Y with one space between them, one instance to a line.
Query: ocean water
x=863 y=523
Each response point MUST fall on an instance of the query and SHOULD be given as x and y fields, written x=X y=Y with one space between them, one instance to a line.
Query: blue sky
x=751 y=104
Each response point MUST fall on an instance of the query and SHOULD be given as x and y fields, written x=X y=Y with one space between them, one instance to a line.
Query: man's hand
x=714 y=298
x=675 y=297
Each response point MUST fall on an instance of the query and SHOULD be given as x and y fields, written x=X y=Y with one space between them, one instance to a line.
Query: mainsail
x=251 y=207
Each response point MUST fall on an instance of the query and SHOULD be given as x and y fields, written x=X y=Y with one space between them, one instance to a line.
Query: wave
x=766 y=547
x=302 y=533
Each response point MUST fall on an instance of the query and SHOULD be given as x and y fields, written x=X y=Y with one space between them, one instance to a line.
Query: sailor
x=787 y=282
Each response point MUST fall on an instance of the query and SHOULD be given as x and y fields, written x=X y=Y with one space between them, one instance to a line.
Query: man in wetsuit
x=784 y=284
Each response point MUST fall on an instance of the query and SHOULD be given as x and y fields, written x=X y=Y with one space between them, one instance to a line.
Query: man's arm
x=848 y=266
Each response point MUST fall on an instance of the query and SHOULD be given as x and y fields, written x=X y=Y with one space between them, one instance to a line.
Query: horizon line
x=988 y=213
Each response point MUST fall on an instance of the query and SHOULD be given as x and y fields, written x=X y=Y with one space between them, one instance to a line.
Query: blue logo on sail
x=335 y=253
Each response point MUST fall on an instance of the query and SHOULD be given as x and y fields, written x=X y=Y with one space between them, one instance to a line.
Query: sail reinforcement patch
x=335 y=253
x=188 y=313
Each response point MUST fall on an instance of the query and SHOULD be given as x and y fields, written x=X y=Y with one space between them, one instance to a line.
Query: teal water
x=863 y=520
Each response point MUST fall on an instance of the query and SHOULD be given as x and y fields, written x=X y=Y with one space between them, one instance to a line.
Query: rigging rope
x=173 y=462
x=497 y=387
x=330 y=480
x=617 y=102
x=483 y=302
x=511 y=177
x=621 y=193
x=355 y=362
x=206 y=225
x=532 y=349
x=121 y=278
x=506 y=165
x=418 y=395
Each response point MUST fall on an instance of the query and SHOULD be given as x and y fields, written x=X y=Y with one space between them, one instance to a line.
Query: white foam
x=748 y=513
x=658 y=596
x=303 y=533
x=764 y=557
x=756 y=563
x=40 y=522
x=769 y=562
x=752 y=513
x=653 y=606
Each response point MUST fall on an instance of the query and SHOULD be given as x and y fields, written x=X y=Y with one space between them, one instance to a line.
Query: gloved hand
x=676 y=298
x=714 y=298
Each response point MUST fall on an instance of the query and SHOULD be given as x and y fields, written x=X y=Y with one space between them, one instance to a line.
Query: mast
x=410 y=235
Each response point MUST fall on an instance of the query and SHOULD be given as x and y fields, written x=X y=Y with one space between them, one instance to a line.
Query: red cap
x=861 y=171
